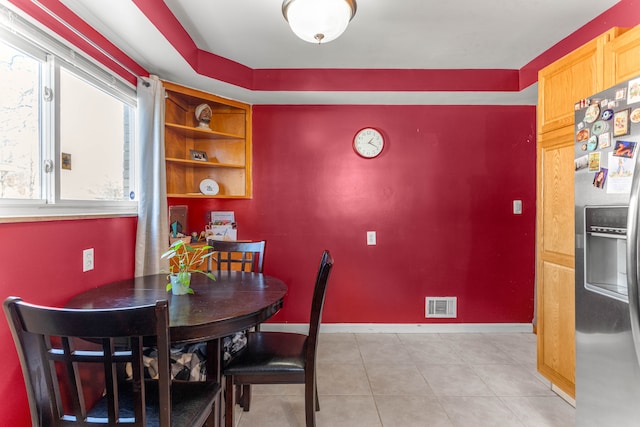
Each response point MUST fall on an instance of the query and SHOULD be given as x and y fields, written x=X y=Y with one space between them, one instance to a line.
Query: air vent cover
x=441 y=307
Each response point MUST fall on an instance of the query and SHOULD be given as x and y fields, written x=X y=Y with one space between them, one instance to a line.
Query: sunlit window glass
x=95 y=137
x=20 y=163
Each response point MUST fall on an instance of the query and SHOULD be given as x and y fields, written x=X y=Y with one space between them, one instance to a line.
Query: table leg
x=214 y=372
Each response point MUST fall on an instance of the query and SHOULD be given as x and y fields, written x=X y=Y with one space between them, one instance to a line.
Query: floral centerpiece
x=187 y=260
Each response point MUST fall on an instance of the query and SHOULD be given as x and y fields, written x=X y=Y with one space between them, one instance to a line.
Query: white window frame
x=56 y=54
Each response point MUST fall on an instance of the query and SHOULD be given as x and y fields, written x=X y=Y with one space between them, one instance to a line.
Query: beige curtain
x=153 y=223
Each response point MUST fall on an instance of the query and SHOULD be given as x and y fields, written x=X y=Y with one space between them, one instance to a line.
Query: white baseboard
x=570 y=400
x=402 y=328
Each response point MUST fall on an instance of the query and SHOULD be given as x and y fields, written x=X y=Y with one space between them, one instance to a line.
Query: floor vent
x=441 y=307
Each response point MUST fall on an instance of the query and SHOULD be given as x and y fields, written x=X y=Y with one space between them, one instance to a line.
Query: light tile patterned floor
x=421 y=380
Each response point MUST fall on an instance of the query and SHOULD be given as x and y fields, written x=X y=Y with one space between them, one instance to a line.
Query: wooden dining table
x=234 y=302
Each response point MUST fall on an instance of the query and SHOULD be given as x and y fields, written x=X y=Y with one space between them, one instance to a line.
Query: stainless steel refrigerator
x=607 y=136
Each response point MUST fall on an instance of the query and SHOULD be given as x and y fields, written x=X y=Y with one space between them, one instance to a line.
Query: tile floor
x=425 y=380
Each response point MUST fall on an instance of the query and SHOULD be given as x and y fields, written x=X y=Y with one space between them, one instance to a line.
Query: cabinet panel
x=575 y=76
x=556 y=340
x=622 y=58
x=556 y=181
x=226 y=141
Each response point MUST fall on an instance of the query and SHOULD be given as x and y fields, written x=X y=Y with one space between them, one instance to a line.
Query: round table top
x=235 y=301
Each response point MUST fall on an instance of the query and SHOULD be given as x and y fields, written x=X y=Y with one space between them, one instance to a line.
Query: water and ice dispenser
x=605 y=250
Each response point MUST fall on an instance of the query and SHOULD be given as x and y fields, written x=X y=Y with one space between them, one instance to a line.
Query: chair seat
x=266 y=353
x=189 y=402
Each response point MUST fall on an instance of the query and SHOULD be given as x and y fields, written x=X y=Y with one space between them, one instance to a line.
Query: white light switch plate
x=87 y=260
x=371 y=238
x=517 y=207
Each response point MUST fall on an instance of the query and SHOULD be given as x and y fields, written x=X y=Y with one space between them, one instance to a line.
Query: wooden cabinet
x=226 y=142
x=573 y=77
x=622 y=58
x=555 y=259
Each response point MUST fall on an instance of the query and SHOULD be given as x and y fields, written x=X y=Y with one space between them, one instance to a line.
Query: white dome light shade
x=318 y=21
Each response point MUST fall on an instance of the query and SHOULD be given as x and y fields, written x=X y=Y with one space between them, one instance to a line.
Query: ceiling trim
x=64 y=24
x=321 y=79
x=320 y=85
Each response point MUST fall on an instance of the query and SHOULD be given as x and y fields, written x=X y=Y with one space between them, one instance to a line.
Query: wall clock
x=368 y=143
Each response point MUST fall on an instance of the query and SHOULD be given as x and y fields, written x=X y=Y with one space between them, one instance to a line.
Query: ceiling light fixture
x=318 y=21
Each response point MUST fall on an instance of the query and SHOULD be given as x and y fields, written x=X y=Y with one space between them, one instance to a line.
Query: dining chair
x=282 y=357
x=248 y=256
x=56 y=347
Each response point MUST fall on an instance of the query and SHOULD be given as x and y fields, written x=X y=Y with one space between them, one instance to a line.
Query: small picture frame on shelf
x=198 y=155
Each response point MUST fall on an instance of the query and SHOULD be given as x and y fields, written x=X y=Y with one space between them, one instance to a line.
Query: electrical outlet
x=371 y=238
x=87 y=260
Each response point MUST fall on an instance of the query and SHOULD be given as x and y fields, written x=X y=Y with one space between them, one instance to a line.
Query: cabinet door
x=556 y=329
x=575 y=76
x=555 y=259
x=622 y=57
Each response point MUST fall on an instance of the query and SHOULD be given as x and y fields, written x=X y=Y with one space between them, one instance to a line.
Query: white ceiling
x=390 y=34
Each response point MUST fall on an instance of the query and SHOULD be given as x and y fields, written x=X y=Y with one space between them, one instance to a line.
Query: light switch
x=517 y=207
x=371 y=238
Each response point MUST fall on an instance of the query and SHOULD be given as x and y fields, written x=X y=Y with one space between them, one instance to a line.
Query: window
x=67 y=142
x=20 y=75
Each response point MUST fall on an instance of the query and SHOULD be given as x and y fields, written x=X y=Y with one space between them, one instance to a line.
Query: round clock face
x=368 y=143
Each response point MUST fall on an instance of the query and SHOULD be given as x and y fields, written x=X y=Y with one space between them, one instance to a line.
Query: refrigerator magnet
x=634 y=91
x=582 y=135
x=621 y=123
x=607 y=114
x=599 y=127
x=592 y=143
x=604 y=140
x=594 y=162
x=600 y=178
x=624 y=149
x=592 y=114
x=581 y=162
x=635 y=116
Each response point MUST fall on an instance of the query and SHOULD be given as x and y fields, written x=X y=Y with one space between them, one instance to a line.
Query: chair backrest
x=54 y=341
x=317 y=303
x=249 y=256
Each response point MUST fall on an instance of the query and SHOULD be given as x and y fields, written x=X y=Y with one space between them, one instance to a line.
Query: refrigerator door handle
x=632 y=259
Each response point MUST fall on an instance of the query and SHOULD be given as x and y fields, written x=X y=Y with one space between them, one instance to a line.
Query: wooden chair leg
x=309 y=406
x=246 y=397
x=228 y=402
x=315 y=388
x=239 y=396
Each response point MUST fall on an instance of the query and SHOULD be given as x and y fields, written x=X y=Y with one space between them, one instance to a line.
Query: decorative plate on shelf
x=209 y=187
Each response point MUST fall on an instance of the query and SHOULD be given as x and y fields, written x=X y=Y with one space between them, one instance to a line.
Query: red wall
x=439 y=197
x=42 y=262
